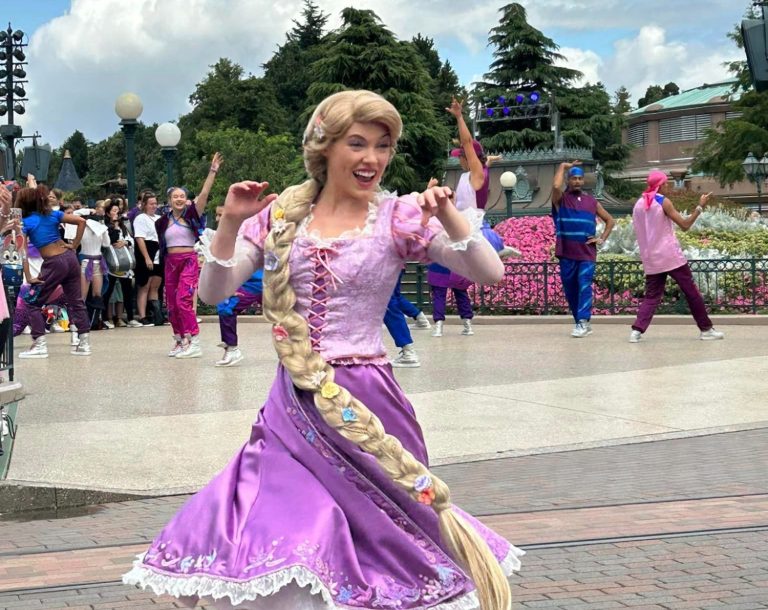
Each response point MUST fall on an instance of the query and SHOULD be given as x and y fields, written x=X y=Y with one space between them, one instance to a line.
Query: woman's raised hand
x=244 y=200
x=455 y=108
x=433 y=201
x=216 y=161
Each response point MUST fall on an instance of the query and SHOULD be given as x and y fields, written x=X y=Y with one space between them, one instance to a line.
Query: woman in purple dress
x=330 y=504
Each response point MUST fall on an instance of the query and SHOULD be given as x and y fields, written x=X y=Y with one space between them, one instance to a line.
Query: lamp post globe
x=508 y=181
x=128 y=107
x=168 y=136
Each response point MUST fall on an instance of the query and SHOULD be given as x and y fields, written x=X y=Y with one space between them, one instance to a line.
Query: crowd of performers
x=330 y=503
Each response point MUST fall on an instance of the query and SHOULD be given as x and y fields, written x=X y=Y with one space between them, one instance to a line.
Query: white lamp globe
x=508 y=180
x=168 y=135
x=128 y=106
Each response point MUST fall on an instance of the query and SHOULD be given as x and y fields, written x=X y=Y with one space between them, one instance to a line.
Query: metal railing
x=6 y=337
x=727 y=285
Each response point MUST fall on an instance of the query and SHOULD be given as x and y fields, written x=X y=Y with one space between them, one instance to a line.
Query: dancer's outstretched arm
x=477 y=176
x=202 y=198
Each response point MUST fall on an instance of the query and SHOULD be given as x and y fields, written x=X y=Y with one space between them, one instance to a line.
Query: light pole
x=508 y=181
x=12 y=92
x=756 y=171
x=128 y=107
x=168 y=136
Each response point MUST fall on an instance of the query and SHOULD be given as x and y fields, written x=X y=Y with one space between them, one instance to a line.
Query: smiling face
x=358 y=159
x=150 y=207
x=178 y=200
x=114 y=212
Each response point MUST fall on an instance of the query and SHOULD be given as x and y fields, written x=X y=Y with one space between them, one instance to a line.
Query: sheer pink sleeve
x=221 y=278
x=472 y=257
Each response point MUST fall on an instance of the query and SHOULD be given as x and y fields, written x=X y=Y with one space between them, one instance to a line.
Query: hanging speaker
x=36 y=162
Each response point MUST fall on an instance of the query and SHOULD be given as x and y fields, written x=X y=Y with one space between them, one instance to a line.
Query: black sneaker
x=147 y=322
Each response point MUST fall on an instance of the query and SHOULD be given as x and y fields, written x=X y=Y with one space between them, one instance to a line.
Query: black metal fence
x=6 y=338
x=728 y=286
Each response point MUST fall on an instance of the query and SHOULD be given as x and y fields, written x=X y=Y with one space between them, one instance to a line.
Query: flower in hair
x=330 y=390
x=279 y=333
x=279 y=226
x=279 y=214
x=423 y=483
x=318 y=132
x=427 y=496
x=271 y=261
x=317 y=378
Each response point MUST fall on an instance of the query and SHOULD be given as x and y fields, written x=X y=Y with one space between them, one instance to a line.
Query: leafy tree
x=445 y=82
x=77 y=146
x=654 y=93
x=289 y=72
x=621 y=100
x=363 y=54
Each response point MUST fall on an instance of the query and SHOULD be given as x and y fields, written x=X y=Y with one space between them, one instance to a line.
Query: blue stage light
x=535 y=96
x=489 y=112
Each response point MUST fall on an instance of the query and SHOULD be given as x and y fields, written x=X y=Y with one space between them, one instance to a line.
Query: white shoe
x=83 y=347
x=407 y=358
x=108 y=324
x=39 y=349
x=56 y=328
x=232 y=355
x=580 y=330
x=422 y=322
x=199 y=320
x=508 y=251
x=134 y=324
x=467 y=330
x=27 y=331
x=635 y=336
x=177 y=346
x=74 y=340
x=191 y=349
x=711 y=335
x=438 y=330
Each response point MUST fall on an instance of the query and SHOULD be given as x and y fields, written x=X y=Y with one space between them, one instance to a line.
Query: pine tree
x=621 y=103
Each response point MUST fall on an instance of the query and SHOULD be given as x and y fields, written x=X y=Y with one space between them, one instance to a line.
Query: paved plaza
x=633 y=475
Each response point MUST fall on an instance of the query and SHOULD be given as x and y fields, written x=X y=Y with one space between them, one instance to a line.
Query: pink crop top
x=179 y=236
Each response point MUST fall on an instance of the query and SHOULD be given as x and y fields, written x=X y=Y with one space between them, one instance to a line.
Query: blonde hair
x=309 y=371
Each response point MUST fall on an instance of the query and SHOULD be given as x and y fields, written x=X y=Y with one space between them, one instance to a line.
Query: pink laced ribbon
x=318 y=298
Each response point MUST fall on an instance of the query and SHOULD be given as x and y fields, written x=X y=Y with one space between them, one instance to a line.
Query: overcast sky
x=84 y=53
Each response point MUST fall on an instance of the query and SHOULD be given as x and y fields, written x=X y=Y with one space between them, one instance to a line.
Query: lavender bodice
x=343 y=284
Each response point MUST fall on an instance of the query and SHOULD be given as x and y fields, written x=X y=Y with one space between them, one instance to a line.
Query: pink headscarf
x=655 y=180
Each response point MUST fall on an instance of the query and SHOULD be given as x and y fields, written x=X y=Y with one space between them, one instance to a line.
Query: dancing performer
x=60 y=268
x=93 y=267
x=331 y=504
x=662 y=256
x=575 y=216
x=179 y=230
x=394 y=319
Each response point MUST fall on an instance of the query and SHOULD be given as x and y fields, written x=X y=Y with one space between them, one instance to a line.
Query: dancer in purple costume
x=323 y=509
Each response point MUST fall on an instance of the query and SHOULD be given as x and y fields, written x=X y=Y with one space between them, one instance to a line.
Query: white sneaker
x=438 y=330
x=199 y=320
x=108 y=324
x=635 y=336
x=27 y=331
x=74 y=340
x=191 y=349
x=39 y=349
x=508 y=251
x=83 y=347
x=177 y=346
x=422 y=322
x=232 y=355
x=134 y=324
x=407 y=359
x=467 y=330
x=580 y=330
x=711 y=335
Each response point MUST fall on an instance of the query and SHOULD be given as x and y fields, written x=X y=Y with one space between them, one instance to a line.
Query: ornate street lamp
x=128 y=107
x=508 y=181
x=756 y=172
x=168 y=136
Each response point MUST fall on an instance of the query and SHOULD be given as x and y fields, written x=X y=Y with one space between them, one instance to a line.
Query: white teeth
x=365 y=174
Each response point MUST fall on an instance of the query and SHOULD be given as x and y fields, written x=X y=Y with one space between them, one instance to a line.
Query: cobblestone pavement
x=664 y=525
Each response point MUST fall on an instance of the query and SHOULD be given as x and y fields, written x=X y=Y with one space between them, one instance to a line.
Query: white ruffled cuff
x=203 y=246
x=474 y=217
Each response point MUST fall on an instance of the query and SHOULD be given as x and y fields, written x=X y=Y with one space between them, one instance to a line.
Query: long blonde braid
x=345 y=413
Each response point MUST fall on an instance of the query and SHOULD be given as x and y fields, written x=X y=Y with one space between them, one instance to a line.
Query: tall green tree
x=77 y=146
x=289 y=71
x=524 y=61
x=621 y=103
x=445 y=82
x=364 y=54
x=654 y=93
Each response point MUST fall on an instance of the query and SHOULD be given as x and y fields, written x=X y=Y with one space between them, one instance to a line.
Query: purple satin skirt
x=301 y=513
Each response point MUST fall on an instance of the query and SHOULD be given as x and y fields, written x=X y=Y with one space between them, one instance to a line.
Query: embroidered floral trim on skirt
x=301 y=518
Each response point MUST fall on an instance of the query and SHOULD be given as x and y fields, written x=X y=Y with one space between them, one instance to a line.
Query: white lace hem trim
x=203 y=246
x=474 y=217
x=269 y=584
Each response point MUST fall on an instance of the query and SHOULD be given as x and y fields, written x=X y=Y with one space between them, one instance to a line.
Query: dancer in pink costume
x=330 y=504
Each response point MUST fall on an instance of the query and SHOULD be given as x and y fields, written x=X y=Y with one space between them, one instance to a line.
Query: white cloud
x=587 y=62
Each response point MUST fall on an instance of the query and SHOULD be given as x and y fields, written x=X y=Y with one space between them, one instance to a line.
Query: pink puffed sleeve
x=473 y=257
x=221 y=278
